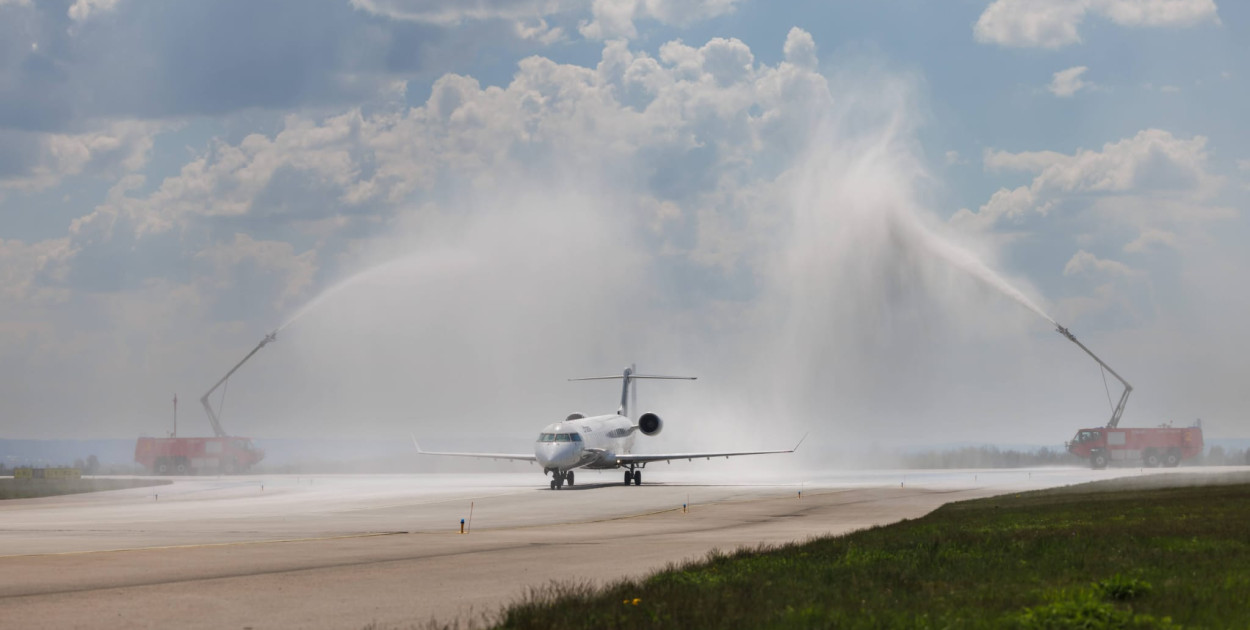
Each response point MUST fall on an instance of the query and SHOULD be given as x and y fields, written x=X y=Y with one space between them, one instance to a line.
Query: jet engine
x=650 y=424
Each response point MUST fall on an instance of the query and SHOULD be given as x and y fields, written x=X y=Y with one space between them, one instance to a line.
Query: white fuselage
x=593 y=442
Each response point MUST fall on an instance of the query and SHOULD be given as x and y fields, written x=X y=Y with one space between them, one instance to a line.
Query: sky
x=833 y=213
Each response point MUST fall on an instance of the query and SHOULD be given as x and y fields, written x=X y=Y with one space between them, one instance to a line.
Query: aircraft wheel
x=628 y=477
x=637 y=477
x=553 y=484
x=570 y=476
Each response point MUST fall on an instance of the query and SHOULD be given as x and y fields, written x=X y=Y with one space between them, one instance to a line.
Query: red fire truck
x=223 y=454
x=197 y=455
x=1159 y=446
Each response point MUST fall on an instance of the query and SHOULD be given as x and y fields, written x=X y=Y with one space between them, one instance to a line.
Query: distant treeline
x=1220 y=456
x=35 y=488
x=990 y=457
x=89 y=466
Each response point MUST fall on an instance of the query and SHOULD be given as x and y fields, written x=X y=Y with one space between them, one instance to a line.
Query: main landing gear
x=559 y=478
x=635 y=475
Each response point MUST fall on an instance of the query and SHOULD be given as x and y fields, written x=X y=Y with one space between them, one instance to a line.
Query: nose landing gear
x=558 y=478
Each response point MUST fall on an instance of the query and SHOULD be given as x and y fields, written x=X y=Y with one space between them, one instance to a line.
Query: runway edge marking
x=199 y=545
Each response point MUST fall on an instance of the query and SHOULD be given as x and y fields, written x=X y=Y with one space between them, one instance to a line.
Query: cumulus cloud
x=64 y=75
x=1084 y=262
x=1003 y=204
x=1056 y=23
x=1173 y=170
x=1105 y=289
x=31 y=161
x=800 y=48
x=538 y=30
x=1065 y=83
x=609 y=19
x=616 y=18
x=248 y=256
x=29 y=272
x=1151 y=238
x=1030 y=161
x=713 y=96
x=450 y=12
x=1153 y=159
x=82 y=10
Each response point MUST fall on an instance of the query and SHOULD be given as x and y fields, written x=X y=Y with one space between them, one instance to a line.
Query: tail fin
x=628 y=377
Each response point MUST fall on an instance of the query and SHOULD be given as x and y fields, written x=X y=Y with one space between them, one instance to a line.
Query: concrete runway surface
x=345 y=551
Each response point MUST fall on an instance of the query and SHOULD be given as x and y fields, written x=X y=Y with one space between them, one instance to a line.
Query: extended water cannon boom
x=208 y=408
x=1119 y=408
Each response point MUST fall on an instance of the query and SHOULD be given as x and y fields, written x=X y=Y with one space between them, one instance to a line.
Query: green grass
x=1163 y=558
x=35 y=488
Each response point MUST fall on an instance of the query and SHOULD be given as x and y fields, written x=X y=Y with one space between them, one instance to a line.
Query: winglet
x=796 y=446
x=414 y=443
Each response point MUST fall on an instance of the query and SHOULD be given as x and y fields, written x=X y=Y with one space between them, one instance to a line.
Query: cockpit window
x=560 y=437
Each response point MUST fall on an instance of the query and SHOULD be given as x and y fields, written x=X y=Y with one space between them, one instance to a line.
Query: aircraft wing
x=634 y=458
x=521 y=457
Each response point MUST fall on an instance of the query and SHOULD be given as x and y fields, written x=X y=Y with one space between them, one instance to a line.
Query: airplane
x=600 y=442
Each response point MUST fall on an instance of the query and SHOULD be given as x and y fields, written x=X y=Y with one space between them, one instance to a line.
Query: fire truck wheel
x=1151 y=459
x=1098 y=460
x=1171 y=460
x=182 y=469
x=162 y=467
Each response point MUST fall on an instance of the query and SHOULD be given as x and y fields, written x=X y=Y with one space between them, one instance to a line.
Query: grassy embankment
x=1072 y=559
x=34 y=488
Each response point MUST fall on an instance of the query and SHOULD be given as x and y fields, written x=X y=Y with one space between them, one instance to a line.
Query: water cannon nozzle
x=1065 y=332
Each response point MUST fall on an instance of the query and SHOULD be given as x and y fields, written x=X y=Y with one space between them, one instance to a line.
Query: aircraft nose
x=558 y=454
